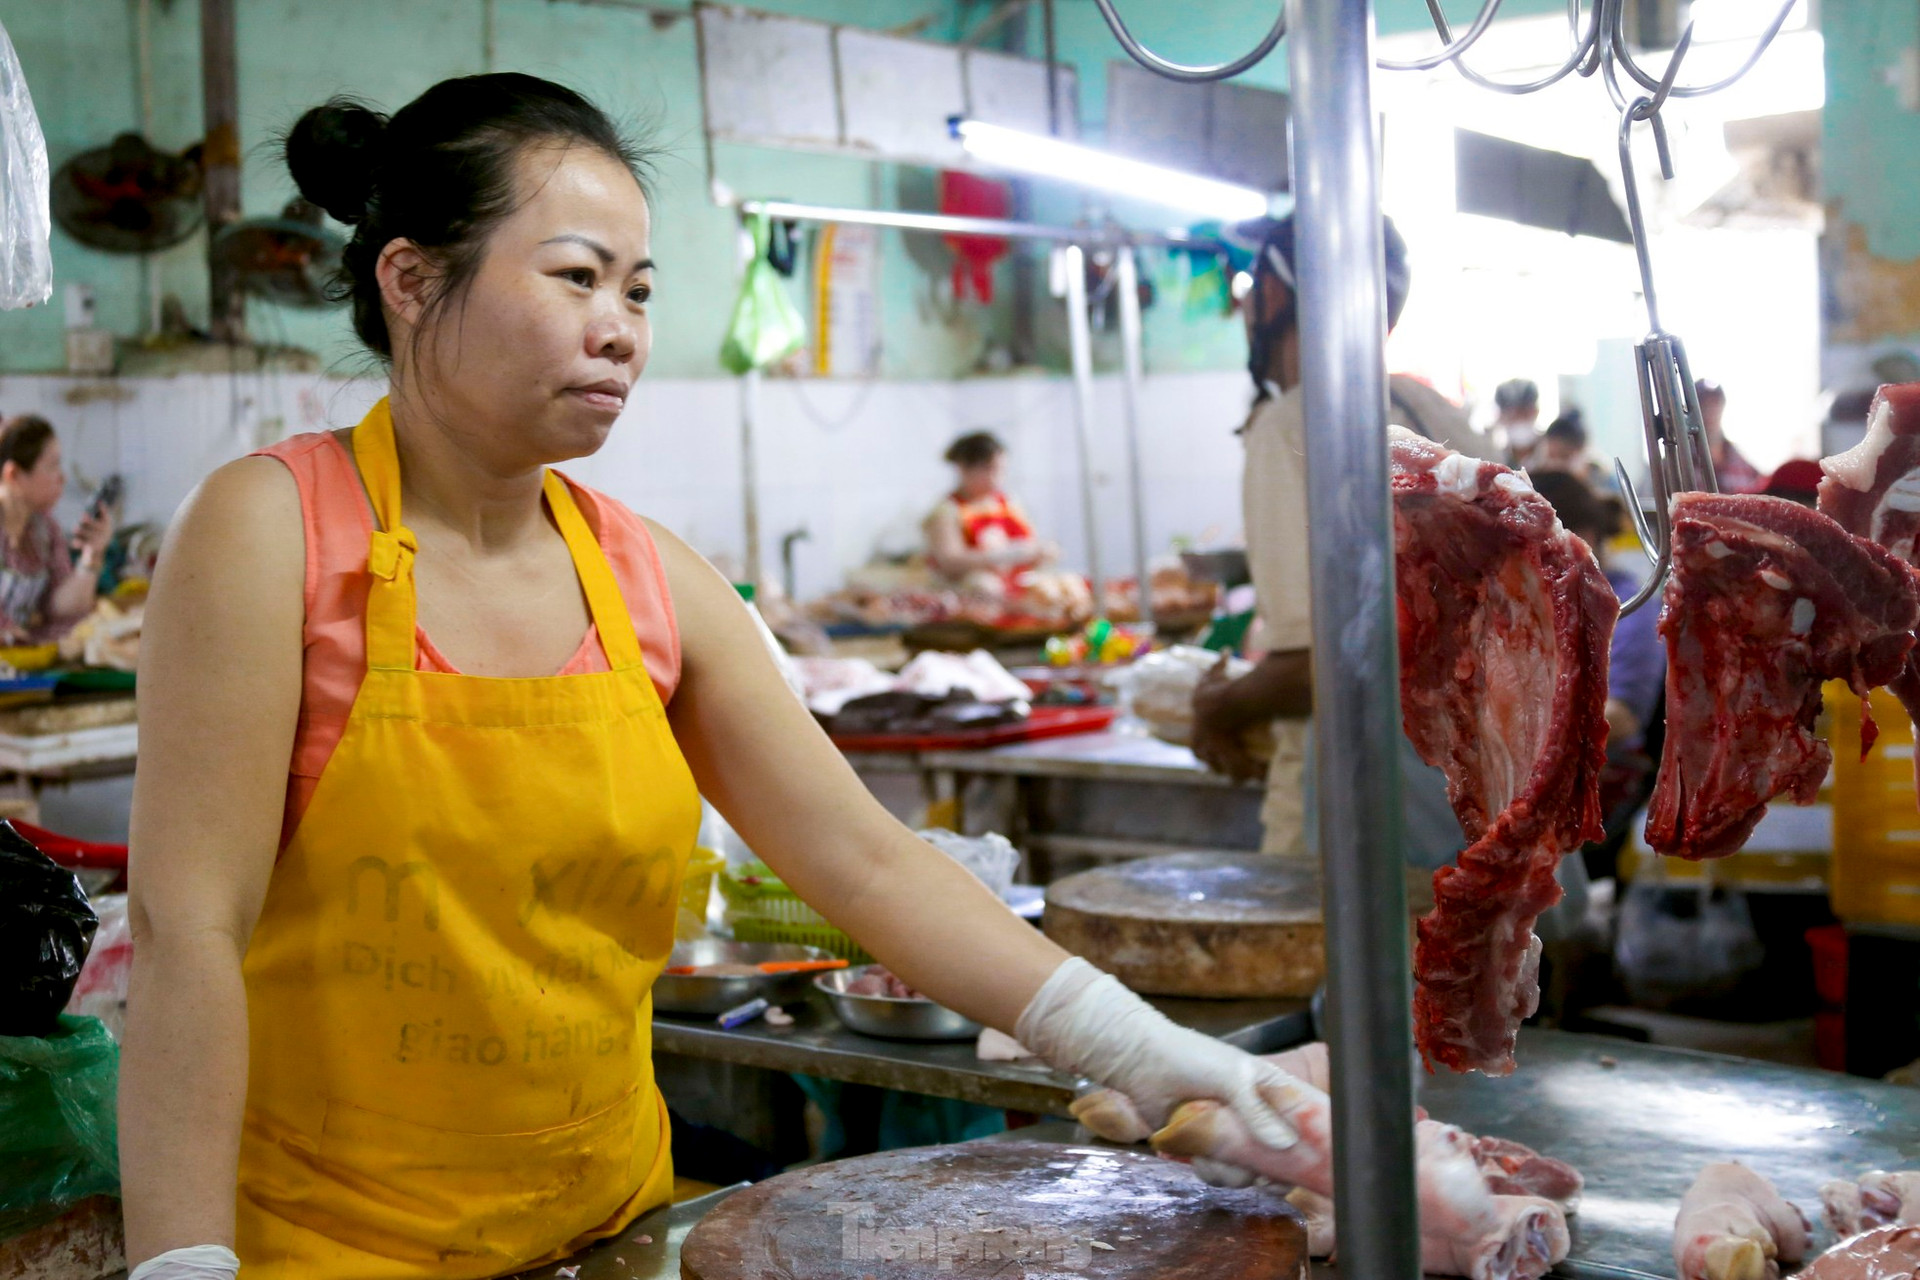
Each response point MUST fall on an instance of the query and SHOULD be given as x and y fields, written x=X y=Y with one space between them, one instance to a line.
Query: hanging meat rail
x=1343 y=371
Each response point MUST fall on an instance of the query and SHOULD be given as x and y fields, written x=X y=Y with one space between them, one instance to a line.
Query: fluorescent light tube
x=1005 y=148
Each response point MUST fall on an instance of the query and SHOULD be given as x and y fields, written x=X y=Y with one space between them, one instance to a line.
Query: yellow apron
x=449 y=987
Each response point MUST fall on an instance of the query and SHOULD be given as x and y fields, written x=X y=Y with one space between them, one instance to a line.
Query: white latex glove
x=1086 y=1022
x=200 y=1262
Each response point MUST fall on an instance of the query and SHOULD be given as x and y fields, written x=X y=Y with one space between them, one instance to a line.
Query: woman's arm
x=760 y=758
x=220 y=668
x=949 y=553
x=73 y=598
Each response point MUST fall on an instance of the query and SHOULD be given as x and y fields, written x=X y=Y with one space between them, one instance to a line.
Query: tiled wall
x=856 y=463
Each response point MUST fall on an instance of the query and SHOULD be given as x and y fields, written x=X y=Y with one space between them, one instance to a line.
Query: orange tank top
x=338 y=522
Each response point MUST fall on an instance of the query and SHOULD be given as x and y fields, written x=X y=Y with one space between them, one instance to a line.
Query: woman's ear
x=406 y=276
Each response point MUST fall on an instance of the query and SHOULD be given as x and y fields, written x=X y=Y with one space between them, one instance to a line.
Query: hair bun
x=333 y=151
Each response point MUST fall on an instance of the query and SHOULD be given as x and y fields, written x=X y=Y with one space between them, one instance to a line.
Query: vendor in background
x=1517 y=427
x=1279 y=690
x=48 y=581
x=1563 y=448
x=978 y=536
x=1735 y=473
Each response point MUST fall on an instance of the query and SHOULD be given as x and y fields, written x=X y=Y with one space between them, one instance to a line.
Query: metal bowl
x=889 y=1018
x=711 y=995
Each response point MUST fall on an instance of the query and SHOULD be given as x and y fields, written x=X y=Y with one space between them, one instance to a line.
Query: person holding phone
x=48 y=579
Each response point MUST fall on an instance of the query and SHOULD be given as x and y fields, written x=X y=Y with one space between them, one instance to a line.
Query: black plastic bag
x=46 y=929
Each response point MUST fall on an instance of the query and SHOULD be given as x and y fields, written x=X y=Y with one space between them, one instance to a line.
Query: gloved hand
x=200 y=1262
x=1085 y=1021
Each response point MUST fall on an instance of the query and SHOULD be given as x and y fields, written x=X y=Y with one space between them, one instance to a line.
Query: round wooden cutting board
x=1219 y=925
x=1011 y=1210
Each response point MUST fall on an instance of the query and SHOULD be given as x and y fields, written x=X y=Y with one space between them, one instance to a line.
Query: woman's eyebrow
x=600 y=251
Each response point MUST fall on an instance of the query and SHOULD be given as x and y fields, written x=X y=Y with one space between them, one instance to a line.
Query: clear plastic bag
x=1681 y=940
x=26 y=260
x=1159 y=688
x=991 y=857
x=101 y=991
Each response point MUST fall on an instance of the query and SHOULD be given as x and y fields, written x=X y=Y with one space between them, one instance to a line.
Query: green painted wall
x=1865 y=125
x=1869 y=146
x=79 y=57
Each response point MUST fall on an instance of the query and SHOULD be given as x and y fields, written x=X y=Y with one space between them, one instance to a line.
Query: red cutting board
x=1044 y=722
x=1011 y=1210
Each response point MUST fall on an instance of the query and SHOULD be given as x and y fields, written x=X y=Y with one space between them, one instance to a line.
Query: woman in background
x=47 y=581
x=978 y=536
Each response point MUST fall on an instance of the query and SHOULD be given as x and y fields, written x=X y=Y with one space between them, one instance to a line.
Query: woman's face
x=41 y=485
x=1555 y=454
x=535 y=361
x=983 y=478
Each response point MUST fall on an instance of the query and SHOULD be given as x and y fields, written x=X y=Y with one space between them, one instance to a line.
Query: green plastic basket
x=761 y=908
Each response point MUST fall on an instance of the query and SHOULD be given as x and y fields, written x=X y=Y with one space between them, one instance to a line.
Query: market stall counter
x=1637 y=1120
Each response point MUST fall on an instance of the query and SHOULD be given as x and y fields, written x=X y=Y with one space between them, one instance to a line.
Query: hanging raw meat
x=1766 y=600
x=1873 y=490
x=1505 y=626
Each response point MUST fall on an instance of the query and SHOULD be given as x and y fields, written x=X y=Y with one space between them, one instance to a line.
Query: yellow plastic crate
x=1876 y=817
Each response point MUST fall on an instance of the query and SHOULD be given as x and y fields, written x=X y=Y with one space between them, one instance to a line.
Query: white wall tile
x=856 y=463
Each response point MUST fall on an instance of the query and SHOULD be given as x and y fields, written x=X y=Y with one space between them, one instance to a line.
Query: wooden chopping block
x=1239 y=926
x=1221 y=925
x=82 y=1242
x=1036 y=1210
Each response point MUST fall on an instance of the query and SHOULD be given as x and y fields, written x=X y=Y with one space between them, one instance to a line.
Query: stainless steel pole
x=1356 y=671
x=1080 y=343
x=1128 y=284
x=750 y=474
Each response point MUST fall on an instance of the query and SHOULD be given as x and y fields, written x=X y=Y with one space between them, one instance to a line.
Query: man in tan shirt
x=1279 y=689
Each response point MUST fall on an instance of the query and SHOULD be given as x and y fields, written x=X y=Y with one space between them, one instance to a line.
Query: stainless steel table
x=817 y=1045
x=1640 y=1129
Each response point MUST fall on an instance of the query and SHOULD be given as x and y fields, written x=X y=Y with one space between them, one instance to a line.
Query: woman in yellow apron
x=394 y=941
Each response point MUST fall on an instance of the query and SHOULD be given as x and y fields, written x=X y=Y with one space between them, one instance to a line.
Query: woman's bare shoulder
x=240 y=529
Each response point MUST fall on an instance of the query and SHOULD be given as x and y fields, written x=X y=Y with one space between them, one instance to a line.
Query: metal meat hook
x=1679 y=458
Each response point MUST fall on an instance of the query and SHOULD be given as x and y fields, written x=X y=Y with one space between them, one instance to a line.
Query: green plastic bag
x=766 y=326
x=58 y=1138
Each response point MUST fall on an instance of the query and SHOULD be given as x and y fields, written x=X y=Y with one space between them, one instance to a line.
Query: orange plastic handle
x=768 y=966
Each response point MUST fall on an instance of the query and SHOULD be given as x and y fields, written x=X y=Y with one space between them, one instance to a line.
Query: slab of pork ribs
x=1766 y=601
x=1505 y=625
x=1873 y=490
